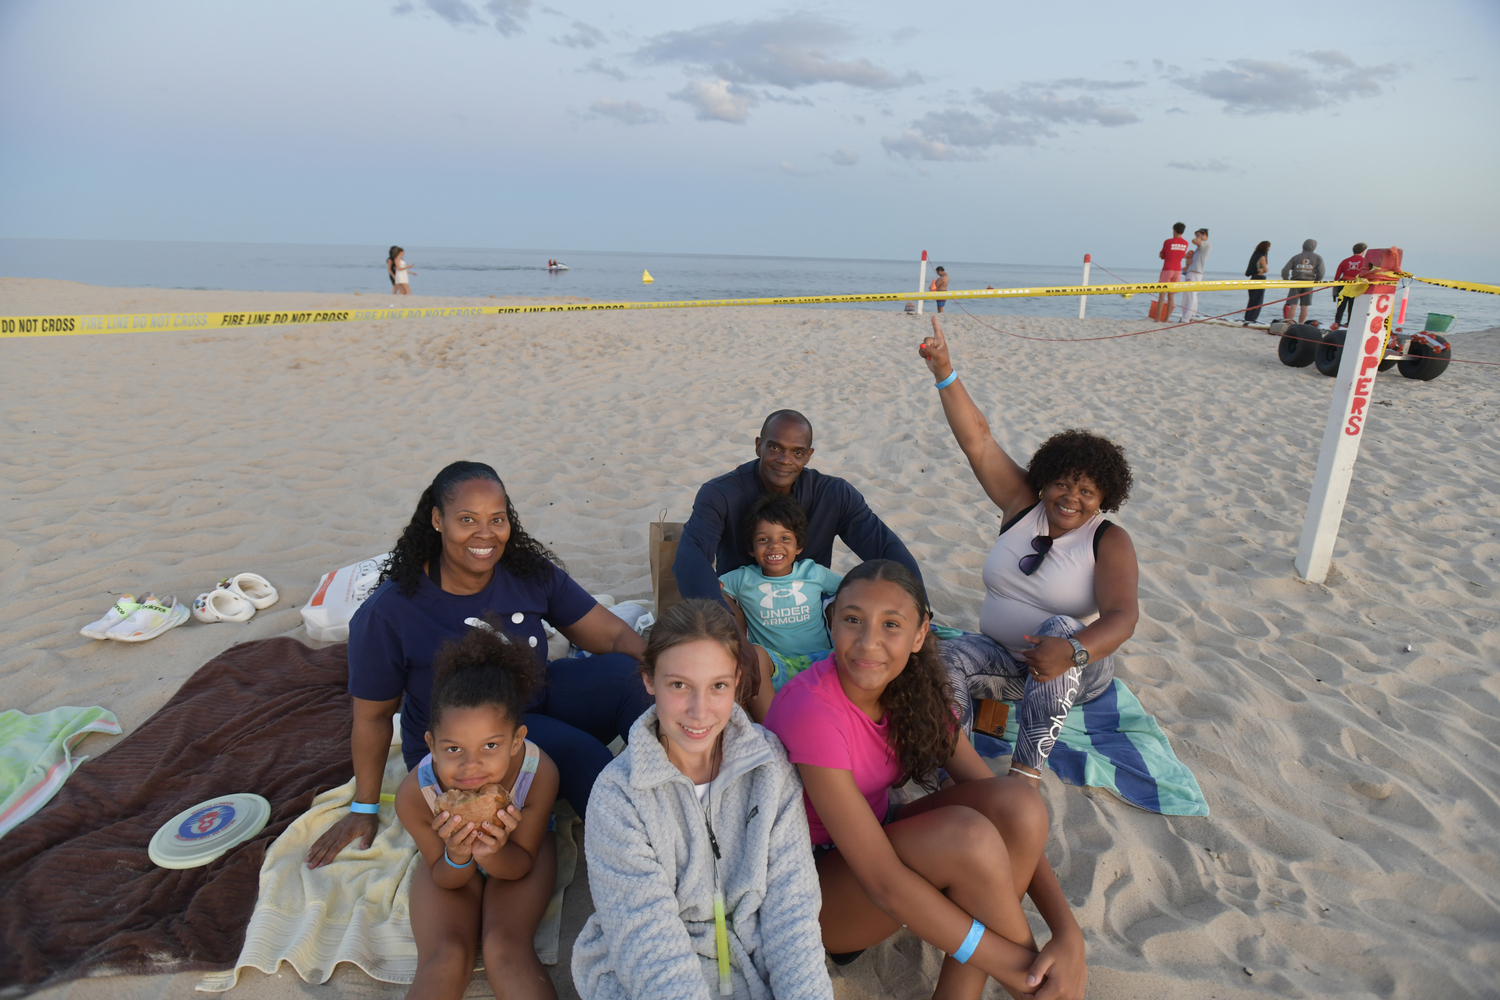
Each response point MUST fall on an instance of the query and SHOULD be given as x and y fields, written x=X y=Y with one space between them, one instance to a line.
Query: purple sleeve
x=808 y=729
x=567 y=602
x=377 y=666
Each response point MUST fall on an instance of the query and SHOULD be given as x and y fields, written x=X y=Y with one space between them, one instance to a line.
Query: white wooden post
x=1358 y=365
x=1083 y=300
x=922 y=281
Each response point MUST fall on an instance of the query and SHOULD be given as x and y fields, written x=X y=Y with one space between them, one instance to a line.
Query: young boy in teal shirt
x=779 y=600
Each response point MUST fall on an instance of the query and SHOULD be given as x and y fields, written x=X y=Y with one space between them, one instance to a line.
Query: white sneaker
x=122 y=610
x=150 y=620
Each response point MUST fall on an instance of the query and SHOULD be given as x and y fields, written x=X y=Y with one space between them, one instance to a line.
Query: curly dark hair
x=485 y=667
x=777 y=508
x=1076 y=452
x=694 y=619
x=919 y=703
x=420 y=542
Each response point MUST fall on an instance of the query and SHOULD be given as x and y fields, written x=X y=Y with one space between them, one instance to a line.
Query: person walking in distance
x=1306 y=266
x=1256 y=271
x=1173 y=251
x=1348 y=270
x=940 y=284
x=1197 y=260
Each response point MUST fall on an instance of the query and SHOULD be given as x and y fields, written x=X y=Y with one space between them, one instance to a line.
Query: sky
x=992 y=131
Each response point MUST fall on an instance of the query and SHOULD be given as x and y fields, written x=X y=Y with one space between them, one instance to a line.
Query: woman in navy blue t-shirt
x=463 y=555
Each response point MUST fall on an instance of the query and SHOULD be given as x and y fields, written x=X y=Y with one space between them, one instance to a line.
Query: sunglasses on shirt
x=1029 y=564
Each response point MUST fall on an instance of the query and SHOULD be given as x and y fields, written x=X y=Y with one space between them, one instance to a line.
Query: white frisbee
x=198 y=835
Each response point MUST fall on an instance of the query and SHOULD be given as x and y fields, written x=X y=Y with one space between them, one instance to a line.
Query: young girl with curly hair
x=952 y=865
x=1061 y=582
x=464 y=555
x=481 y=886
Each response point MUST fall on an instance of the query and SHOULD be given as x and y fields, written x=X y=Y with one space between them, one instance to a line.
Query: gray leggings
x=979 y=667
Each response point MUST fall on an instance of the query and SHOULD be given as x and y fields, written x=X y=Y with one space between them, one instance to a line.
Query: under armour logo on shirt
x=772 y=592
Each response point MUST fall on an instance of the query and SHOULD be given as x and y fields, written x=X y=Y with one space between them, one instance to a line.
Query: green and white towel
x=36 y=756
x=1112 y=743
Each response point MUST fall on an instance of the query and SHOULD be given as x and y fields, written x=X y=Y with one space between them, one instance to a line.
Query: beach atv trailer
x=1297 y=343
x=1423 y=357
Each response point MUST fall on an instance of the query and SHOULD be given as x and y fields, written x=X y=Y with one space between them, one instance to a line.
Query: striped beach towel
x=36 y=756
x=1112 y=743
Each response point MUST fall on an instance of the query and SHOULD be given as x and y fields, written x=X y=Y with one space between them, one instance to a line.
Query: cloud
x=505 y=15
x=1211 y=167
x=787 y=168
x=1079 y=83
x=1175 y=111
x=788 y=52
x=597 y=65
x=1020 y=117
x=1261 y=86
x=1046 y=106
x=629 y=112
x=717 y=100
x=844 y=157
x=915 y=145
x=583 y=36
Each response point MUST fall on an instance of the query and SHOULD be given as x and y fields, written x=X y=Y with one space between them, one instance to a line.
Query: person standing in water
x=399 y=271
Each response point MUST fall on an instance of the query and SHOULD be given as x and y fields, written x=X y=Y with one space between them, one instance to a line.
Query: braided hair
x=922 y=732
x=420 y=542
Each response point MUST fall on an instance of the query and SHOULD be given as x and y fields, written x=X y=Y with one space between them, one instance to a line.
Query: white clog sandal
x=220 y=605
x=252 y=587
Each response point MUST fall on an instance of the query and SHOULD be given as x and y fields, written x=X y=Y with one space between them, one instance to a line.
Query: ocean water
x=609 y=276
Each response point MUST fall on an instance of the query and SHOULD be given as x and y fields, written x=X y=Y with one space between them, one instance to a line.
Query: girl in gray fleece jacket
x=701 y=813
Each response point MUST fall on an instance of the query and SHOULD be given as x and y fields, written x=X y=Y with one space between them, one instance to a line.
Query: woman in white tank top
x=1060 y=583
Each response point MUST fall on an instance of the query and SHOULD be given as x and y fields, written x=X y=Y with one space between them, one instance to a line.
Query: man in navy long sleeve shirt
x=834 y=508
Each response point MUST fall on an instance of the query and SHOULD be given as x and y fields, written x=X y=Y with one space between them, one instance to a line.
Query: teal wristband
x=364 y=807
x=945 y=383
x=966 y=950
x=471 y=861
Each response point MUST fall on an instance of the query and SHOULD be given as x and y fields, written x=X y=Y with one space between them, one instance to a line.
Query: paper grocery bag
x=662 y=546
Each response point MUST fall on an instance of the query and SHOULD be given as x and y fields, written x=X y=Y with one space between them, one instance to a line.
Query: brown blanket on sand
x=79 y=896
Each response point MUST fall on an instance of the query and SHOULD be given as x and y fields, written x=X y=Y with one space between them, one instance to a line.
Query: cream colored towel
x=356 y=909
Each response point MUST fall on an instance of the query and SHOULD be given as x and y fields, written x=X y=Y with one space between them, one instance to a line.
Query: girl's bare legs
x=445 y=923
x=512 y=911
x=971 y=841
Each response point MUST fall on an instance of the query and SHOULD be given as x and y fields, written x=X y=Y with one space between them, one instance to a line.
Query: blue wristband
x=966 y=950
x=945 y=383
x=364 y=807
x=471 y=861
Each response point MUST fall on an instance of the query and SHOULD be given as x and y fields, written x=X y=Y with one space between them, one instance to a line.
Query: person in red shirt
x=1348 y=271
x=1172 y=253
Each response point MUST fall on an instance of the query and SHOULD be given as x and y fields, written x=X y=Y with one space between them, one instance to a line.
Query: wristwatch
x=1080 y=655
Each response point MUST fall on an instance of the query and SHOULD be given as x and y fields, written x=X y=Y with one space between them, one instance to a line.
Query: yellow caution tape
x=54 y=326
x=1466 y=286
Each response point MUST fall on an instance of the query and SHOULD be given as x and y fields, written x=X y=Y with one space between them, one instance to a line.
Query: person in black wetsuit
x=713 y=540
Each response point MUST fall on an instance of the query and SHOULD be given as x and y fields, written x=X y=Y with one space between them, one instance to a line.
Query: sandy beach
x=1353 y=848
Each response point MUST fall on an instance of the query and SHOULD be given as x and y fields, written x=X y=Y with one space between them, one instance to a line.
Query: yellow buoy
x=646 y=278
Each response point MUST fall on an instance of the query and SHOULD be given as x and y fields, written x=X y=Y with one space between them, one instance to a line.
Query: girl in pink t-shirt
x=952 y=865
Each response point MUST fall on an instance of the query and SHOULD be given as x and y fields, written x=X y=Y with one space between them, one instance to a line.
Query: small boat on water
x=555 y=266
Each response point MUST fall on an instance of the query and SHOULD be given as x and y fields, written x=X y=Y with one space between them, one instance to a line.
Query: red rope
x=1178 y=326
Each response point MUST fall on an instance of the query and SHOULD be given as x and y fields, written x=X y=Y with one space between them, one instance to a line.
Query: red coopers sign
x=1369 y=363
